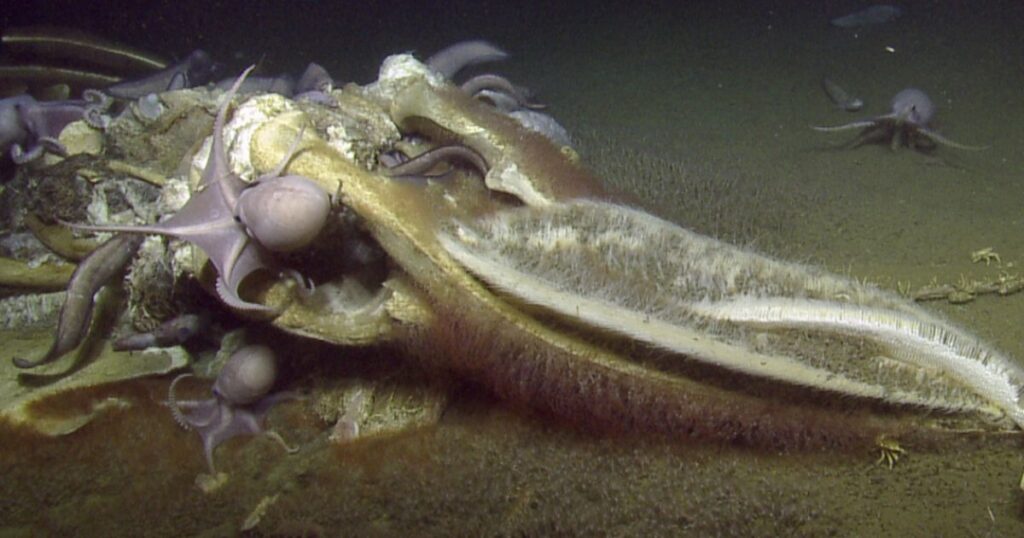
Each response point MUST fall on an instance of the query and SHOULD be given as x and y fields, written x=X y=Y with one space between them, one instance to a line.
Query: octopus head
x=284 y=214
x=247 y=376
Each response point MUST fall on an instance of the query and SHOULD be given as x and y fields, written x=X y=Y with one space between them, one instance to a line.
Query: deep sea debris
x=240 y=401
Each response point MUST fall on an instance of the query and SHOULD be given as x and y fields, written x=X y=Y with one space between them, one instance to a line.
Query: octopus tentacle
x=280 y=440
x=217 y=164
x=172 y=402
x=230 y=297
x=863 y=124
x=306 y=286
x=939 y=139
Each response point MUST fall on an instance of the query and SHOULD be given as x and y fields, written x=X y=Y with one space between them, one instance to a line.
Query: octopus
x=907 y=124
x=29 y=128
x=238 y=224
x=240 y=401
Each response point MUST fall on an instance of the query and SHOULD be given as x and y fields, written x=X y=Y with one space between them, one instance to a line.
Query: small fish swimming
x=879 y=14
x=841 y=97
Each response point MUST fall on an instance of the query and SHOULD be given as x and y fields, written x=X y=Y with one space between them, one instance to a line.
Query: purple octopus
x=907 y=124
x=28 y=128
x=240 y=401
x=239 y=224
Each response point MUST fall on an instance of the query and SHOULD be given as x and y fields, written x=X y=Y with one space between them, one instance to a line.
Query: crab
x=889 y=450
x=987 y=255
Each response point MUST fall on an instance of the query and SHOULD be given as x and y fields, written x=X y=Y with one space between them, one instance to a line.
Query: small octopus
x=238 y=224
x=29 y=128
x=907 y=124
x=240 y=401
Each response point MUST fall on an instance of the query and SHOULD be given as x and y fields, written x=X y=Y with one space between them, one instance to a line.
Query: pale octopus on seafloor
x=907 y=124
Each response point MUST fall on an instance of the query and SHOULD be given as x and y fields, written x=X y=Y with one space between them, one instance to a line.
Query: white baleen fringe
x=631 y=273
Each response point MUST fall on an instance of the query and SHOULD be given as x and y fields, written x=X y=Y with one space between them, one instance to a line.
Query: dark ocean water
x=666 y=100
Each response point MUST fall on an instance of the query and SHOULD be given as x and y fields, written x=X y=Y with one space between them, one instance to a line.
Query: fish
x=195 y=70
x=841 y=97
x=95 y=271
x=873 y=15
x=173 y=332
x=451 y=60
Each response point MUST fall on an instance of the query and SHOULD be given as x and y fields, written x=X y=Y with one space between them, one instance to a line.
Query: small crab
x=889 y=450
x=987 y=255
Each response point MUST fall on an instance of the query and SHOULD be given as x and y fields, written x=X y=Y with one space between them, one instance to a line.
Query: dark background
x=351 y=37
